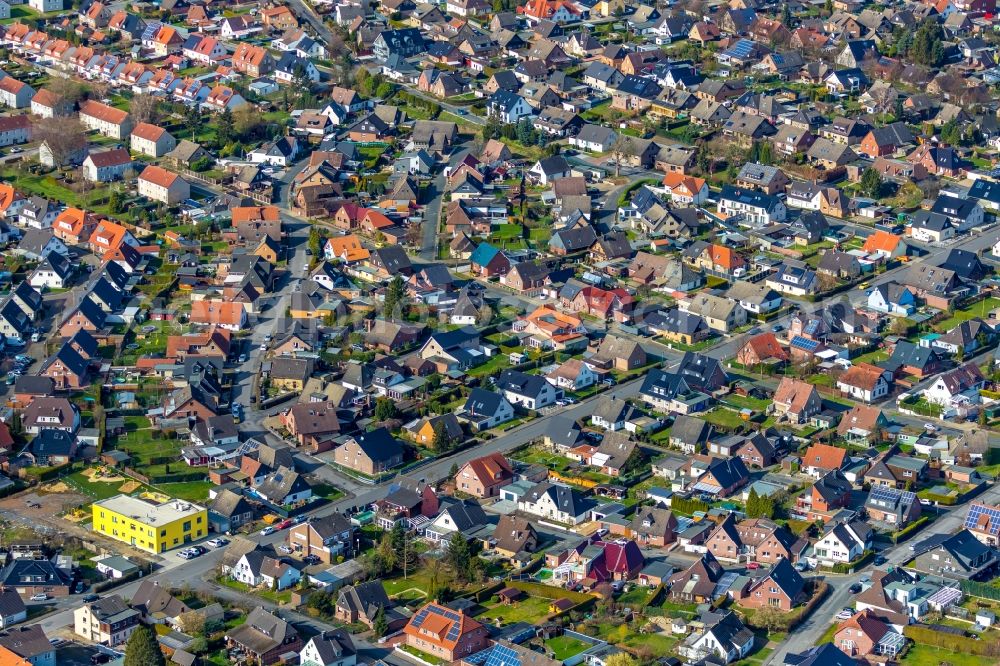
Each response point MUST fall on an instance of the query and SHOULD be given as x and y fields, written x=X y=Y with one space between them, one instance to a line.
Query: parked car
x=880 y=560
x=39 y=597
x=91 y=597
x=218 y=542
x=270 y=529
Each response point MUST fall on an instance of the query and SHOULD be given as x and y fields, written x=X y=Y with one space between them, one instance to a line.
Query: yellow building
x=155 y=528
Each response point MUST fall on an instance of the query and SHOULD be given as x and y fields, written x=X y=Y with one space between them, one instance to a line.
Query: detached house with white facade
x=15 y=94
x=753 y=208
x=107 y=166
x=151 y=140
x=158 y=184
x=528 y=391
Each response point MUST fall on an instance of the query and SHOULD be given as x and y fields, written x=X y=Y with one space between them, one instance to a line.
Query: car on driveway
x=218 y=542
x=38 y=597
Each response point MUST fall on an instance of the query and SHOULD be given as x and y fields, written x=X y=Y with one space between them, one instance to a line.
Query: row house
x=252 y=60
x=106 y=120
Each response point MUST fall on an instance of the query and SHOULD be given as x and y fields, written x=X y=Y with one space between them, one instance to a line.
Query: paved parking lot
x=75 y=654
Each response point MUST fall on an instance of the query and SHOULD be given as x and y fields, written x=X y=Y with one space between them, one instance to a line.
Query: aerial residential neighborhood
x=510 y=333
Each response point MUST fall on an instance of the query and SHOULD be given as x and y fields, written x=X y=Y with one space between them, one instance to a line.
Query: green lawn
x=96 y=489
x=493 y=366
x=828 y=634
x=507 y=231
x=47 y=186
x=637 y=597
x=926 y=655
x=539 y=456
x=282 y=597
x=192 y=491
x=528 y=609
x=418 y=581
x=153 y=343
x=420 y=654
x=980 y=309
x=565 y=647
x=726 y=418
x=873 y=357
x=746 y=402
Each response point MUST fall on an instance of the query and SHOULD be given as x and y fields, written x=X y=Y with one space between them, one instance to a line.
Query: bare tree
x=144 y=109
x=66 y=89
x=620 y=149
x=99 y=90
x=86 y=186
x=64 y=137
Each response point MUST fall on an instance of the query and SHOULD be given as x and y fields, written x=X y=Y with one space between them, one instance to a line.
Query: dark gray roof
x=522 y=383
x=378 y=444
x=483 y=403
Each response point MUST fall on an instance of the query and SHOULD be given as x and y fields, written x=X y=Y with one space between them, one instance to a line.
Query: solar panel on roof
x=978 y=510
x=501 y=655
x=883 y=494
x=805 y=343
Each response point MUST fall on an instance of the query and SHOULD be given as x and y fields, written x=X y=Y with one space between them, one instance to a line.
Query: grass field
x=192 y=491
x=726 y=418
x=874 y=356
x=95 y=489
x=50 y=188
x=565 y=647
x=926 y=655
x=980 y=309
x=528 y=609
x=153 y=343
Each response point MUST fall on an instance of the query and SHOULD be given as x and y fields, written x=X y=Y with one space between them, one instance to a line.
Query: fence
x=981 y=590
x=948 y=641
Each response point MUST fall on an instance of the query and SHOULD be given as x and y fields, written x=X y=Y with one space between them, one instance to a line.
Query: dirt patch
x=93 y=475
x=43 y=508
x=130 y=487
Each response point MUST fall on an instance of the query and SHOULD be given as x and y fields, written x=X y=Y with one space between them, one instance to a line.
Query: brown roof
x=315 y=418
x=866 y=623
x=795 y=393
x=11 y=85
x=112 y=157
x=862 y=375
x=148 y=132
x=491 y=467
x=512 y=533
x=46 y=97
x=158 y=176
x=216 y=312
x=824 y=456
x=103 y=112
x=767 y=346
x=863 y=417
x=9 y=123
